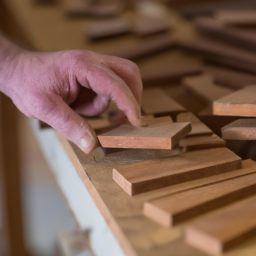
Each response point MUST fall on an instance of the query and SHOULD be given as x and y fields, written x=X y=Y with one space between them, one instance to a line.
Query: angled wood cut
x=219 y=231
x=239 y=103
x=154 y=174
x=241 y=129
x=173 y=209
x=158 y=136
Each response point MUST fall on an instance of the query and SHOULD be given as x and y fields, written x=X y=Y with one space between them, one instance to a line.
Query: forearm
x=9 y=55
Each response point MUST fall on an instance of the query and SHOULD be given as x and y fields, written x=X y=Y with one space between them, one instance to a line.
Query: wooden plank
x=241 y=129
x=156 y=101
x=203 y=86
x=173 y=209
x=146 y=48
x=201 y=142
x=236 y=17
x=239 y=103
x=236 y=36
x=158 y=136
x=219 y=231
x=198 y=128
x=151 y=120
x=155 y=174
x=107 y=28
x=230 y=78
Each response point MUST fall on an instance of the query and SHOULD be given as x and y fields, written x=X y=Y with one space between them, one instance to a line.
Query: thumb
x=72 y=126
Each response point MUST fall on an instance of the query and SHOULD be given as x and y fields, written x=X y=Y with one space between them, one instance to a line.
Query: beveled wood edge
x=113 y=225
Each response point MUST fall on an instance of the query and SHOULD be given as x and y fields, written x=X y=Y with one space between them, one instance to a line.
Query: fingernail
x=87 y=143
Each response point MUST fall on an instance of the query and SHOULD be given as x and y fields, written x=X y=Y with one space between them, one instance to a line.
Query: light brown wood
x=198 y=128
x=156 y=101
x=219 y=231
x=203 y=85
x=239 y=103
x=241 y=129
x=151 y=120
x=201 y=141
x=155 y=174
x=173 y=209
x=158 y=136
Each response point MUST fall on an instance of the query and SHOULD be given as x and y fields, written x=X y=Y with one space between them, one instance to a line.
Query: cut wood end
x=122 y=182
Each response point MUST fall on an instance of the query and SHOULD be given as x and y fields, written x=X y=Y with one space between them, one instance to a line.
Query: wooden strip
x=239 y=103
x=107 y=28
x=242 y=129
x=159 y=136
x=203 y=86
x=219 y=231
x=229 y=78
x=201 y=142
x=198 y=128
x=236 y=36
x=155 y=174
x=173 y=209
x=146 y=48
x=156 y=101
x=151 y=120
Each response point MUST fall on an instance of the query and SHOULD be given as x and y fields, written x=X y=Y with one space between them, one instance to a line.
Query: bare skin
x=57 y=87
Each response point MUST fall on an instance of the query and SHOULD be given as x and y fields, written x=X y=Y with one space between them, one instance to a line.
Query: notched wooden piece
x=173 y=209
x=241 y=129
x=158 y=136
x=155 y=174
x=219 y=231
x=239 y=103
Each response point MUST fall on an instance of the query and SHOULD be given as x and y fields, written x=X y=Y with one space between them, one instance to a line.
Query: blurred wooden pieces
x=203 y=86
x=148 y=26
x=239 y=103
x=229 y=78
x=237 y=36
x=173 y=209
x=241 y=129
x=236 y=17
x=198 y=128
x=151 y=120
x=155 y=101
x=219 y=231
x=168 y=71
x=201 y=142
x=146 y=48
x=107 y=28
x=159 y=136
x=154 y=174
x=98 y=124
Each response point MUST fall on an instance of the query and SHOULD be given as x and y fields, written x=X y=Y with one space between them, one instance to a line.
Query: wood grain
x=198 y=128
x=158 y=136
x=239 y=103
x=156 y=101
x=155 y=174
x=241 y=129
x=173 y=209
x=203 y=86
x=219 y=231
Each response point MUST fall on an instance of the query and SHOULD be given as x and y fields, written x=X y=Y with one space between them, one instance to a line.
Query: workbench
x=115 y=220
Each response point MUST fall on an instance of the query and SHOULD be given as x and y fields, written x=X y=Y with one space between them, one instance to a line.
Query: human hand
x=56 y=87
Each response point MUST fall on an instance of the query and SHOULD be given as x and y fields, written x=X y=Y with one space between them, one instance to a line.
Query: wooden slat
x=158 y=136
x=157 y=102
x=239 y=103
x=155 y=174
x=241 y=129
x=173 y=209
x=203 y=86
x=219 y=231
x=151 y=120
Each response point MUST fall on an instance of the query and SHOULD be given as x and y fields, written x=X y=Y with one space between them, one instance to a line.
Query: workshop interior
x=184 y=183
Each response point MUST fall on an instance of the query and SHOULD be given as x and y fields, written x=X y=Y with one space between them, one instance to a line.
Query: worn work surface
x=225 y=228
x=155 y=174
x=241 y=129
x=157 y=136
x=173 y=209
x=239 y=103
